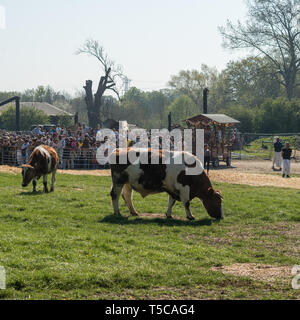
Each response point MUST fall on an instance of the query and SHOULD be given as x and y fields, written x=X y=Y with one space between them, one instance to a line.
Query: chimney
x=205 y=94
x=169 y=121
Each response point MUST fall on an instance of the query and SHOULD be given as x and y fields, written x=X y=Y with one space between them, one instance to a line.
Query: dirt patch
x=232 y=175
x=261 y=166
x=16 y=170
x=8 y=169
x=255 y=271
x=254 y=179
x=101 y=173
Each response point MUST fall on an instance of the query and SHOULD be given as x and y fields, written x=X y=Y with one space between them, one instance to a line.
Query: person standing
x=277 y=154
x=24 y=148
x=207 y=156
x=286 y=155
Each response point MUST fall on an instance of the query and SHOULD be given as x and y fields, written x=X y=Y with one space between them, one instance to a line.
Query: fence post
x=271 y=149
x=17 y=113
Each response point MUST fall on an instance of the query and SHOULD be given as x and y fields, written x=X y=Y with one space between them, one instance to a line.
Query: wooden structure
x=219 y=135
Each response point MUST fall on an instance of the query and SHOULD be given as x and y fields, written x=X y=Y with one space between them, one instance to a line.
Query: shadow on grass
x=160 y=221
x=30 y=193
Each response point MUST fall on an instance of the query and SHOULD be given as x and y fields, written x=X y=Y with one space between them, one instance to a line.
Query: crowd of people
x=76 y=149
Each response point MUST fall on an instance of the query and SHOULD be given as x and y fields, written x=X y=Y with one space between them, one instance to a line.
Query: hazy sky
x=151 y=39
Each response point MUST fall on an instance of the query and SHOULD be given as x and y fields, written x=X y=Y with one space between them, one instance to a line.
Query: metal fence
x=247 y=146
x=69 y=158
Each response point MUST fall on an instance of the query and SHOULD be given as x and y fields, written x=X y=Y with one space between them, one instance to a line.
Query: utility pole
x=126 y=83
x=205 y=94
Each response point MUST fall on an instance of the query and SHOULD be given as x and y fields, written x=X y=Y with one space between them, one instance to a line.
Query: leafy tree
x=245 y=115
x=49 y=95
x=273 y=31
x=39 y=94
x=9 y=94
x=28 y=95
x=191 y=83
x=279 y=116
x=157 y=106
x=28 y=117
x=247 y=82
x=182 y=108
x=134 y=107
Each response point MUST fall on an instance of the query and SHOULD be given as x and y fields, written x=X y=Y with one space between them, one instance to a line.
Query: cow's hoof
x=191 y=218
x=46 y=190
x=118 y=214
x=169 y=217
x=51 y=190
x=135 y=214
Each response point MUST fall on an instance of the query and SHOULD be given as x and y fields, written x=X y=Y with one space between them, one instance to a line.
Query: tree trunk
x=94 y=102
x=93 y=105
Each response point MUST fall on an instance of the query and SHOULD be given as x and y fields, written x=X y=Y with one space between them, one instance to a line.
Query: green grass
x=255 y=150
x=68 y=245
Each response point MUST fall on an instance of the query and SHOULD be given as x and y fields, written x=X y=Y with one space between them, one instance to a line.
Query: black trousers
x=206 y=163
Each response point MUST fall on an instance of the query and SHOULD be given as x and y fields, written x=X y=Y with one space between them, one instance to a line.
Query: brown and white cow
x=43 y=160
x=155 y=178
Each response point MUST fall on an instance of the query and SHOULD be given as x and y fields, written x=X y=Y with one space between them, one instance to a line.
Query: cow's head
x=28 y=173
x=212 y=202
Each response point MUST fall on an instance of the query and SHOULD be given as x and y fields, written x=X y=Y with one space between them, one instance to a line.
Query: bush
x=28 y=116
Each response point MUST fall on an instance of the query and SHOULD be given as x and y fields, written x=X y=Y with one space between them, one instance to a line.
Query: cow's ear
x=219 y=193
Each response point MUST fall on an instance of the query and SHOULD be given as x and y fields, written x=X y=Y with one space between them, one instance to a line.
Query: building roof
x=219 y=118
x=48 y=108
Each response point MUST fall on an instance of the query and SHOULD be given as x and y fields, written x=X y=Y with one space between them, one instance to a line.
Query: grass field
x=255 y=150
x=68 y=245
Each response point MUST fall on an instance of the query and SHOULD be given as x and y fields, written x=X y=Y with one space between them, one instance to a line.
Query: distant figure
x=24 y=147
x=207 y=156
x=277 y=154
x=286 y=155
x=37 y=131
x=58 y=129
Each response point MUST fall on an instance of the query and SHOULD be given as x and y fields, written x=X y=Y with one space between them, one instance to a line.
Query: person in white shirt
x=58 y=129
x=24 y=147
x=37 y=130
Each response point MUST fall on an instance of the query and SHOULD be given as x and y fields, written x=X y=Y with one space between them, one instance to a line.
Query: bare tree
x=272 y=30
x=108 y=81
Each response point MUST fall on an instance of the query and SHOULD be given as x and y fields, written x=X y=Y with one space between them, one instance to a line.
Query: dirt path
x=255 y=173
x=254 y=179
x=261 y=166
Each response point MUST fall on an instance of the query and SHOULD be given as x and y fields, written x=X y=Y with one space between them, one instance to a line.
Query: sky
x=151 y=39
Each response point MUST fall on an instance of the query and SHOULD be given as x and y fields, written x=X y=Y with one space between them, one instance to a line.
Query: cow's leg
x=127 y=196
x=34 y=184
x=170 y=206
x=53 y=180
x=185 y=198
x=45 y=183
x=115 y=196
x=187 y=210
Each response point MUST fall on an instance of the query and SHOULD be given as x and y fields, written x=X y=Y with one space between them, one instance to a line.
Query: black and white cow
x=155 y=178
